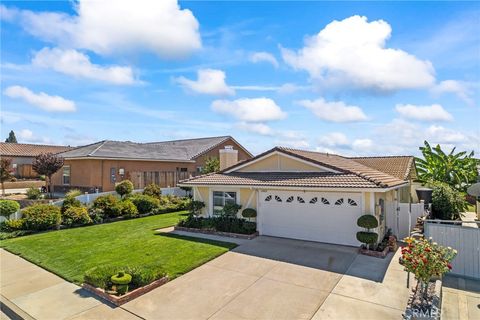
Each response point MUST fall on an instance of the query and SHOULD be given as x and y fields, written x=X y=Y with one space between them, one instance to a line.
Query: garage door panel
x=324 y=217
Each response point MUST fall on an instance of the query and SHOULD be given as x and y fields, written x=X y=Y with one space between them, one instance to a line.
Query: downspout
x=397 y=212
x=410 y=207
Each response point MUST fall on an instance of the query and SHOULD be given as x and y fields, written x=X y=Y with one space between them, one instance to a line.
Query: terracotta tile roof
x=397 y=166
x=28 y=150
x=350 y=173
x=283 y=179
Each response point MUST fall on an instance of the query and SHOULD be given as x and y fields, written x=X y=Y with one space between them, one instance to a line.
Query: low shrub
x=128 y=209
x=230 y=209
x=42 y=217
x=107 y=206
x=12 y=225
x=8 y=207
x=195 y=207
x=249 y=213
x=145 y=204
x=73 y=193
x=76 y=216
x=13 y=234
x=69 y=202
x=34 y=193
x=124 y=188
x=220 y=223
x=152 y=190
x=100 y=276
x=447 y=203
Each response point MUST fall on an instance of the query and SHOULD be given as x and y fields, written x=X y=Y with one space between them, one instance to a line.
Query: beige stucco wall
x=279 y=163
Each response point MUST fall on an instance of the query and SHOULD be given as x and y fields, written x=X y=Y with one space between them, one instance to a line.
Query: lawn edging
x=218 y=233
x=129 y=296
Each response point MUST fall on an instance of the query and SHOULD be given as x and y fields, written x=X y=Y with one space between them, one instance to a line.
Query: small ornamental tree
x=11 y=137
x=212 y=164
x=426 y=259
x=124 y=188
x=5 y=173
x=153 y=190
x=195 y=207
x=230 y=210
x=47 y=164
x=368 y=222
x=249 y=213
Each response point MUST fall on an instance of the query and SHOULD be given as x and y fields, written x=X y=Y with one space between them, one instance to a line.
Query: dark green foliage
x=124 y=188
x=211 y=165
x=121 y=278
x=76 y=216
x=12 y=225
x=34 y=193
x=195 y=207
x=128 y=209
x=11 y=137
x=152 y=190
x=458 y=170
x=8 y=207
x=101 y=277
x=367 y=221
x=69 y=202
x=369 y=238
x=107 y=206
x=220 y=223
x=249 y=213
x=447 y=203
x=42 y=217
x=230 y=209
x=145 y=204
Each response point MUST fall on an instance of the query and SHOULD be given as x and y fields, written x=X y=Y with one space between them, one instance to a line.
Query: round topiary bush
x=121 y=281
x=368 y=238
x=128 y=209
x=42 y=217
x=145 y=204
x=124 y=188
x=367 y=221
x=8 y=207
x=76 y=216
x=152 y=190
x=107 y=205
x=249 y=213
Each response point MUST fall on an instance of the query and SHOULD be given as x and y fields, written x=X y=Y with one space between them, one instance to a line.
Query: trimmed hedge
x=8 y=207
x=100 y=276
x=152 y=190
x=128 y=209
x=367 y=221
x=76 y=216
x=367 y=237
x=124 y=188
x=249 y=213
x=107 y=205
x=69 y=202
x=42 y=217
x=220 y=223
x=13 y=225
x=145 y=204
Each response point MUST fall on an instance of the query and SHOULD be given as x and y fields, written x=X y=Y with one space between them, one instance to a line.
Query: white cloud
x=77 y=64
x=362 y=144
x=107 y=27
x=250 y=110
x=440 y=134
x=434 y=112
x=338 y=143
x=459 y=88
x=41 y=99
x=334 y=139
x=353 y=52
x=336 y=111
x=27 y=136
x=264 y=57
x=209 y=81
x=259 y=128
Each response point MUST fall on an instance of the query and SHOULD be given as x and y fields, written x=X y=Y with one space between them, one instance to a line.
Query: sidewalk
x=40 y=294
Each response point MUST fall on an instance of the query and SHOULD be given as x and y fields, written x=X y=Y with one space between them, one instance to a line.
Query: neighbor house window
x=183 y=169
x=199 y=169
x=221 y=198
x=113 y=175
x=66 y=175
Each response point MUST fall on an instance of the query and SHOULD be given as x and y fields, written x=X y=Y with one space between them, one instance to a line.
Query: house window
x=339 y=202
x=325 y=201
x=278 y=199
x=268 y=198
x=66 y=175
x=314 y=200
x=290 y=199
x=300 y=199
x=183 y=169
x=113 y=175
x=199 y=169
x=352 y=202
x=220 y=198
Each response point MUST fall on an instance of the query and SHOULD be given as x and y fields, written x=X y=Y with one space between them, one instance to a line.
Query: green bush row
x=220 y=223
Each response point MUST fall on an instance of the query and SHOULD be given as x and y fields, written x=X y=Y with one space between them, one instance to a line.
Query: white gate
x=466 y=240
x=406 y=222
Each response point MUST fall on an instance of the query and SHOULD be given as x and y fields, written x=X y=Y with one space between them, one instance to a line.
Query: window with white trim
x=66 y=175
x=220 y=198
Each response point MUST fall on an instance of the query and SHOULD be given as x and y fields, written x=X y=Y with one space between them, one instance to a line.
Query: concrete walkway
x=35 y=293
x=461 y=298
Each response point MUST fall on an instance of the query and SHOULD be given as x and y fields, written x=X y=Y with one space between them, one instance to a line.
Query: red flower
x=449 y=266
x=424 y=260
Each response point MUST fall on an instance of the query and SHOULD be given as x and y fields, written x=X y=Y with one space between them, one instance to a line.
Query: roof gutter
x=128 y=159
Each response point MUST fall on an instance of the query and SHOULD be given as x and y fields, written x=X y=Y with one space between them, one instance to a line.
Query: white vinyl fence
x=465 y=239
x=406 y=221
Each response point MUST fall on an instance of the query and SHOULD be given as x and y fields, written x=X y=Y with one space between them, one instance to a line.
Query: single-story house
x=99 y=166
x=22 y=155
x=310 y=195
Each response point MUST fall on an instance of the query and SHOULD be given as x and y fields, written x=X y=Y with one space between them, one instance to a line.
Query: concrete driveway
x=273 y=278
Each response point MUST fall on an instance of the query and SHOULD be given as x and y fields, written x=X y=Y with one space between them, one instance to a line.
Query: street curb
x=12 y=311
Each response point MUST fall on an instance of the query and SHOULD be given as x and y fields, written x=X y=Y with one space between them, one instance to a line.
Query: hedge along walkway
x=69 y=253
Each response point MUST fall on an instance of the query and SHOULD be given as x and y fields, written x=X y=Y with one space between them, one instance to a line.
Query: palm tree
x=458 y=170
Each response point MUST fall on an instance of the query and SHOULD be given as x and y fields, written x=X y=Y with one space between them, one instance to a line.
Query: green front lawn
x=69 y=253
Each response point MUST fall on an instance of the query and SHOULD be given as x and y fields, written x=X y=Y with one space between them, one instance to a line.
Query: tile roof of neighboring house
x=177 y=150
x=397 y=166
x=351 y=174
x=29 y=150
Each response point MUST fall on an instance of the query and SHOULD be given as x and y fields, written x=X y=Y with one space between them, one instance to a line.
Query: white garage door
x=315 y=216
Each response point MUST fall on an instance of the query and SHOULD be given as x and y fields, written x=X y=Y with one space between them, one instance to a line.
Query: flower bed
x=388 y=244
x=218 y=233
x=418 y=307
x=119 y=300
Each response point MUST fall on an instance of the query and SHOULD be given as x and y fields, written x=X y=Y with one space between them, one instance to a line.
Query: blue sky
x=345 y=77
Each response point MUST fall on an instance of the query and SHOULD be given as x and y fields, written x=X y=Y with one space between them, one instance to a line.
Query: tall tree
x=211 y=165
x=5 y=173
x=458 y=170
x=47 y=164
x=11 y=137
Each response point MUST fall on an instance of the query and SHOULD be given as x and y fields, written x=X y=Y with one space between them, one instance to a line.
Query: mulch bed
x=129 y=296
x=218 y=233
